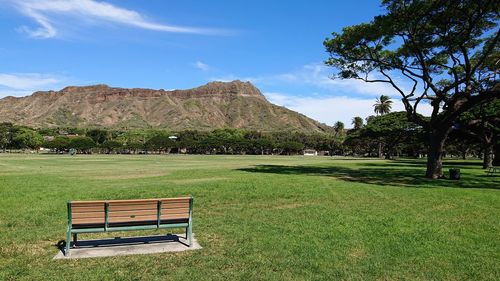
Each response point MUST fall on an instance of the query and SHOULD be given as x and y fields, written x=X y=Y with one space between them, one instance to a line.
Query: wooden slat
x=174 y=205
x=129 y=219
x=87 y=209
x=174 y=201
x=87 y=215
x=147 y=218
x=132 y=213
x=86 y=204
x=175 y=211
x=174 y=216
x=88 y=220
x=129 y=207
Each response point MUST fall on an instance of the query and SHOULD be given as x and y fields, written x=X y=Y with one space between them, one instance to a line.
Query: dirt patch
x=289 y=206
x=131 y=175
x=198 y=180
x=357 y=254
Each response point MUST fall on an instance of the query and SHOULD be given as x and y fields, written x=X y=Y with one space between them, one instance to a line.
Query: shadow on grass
x=393 y=173
x=122 y=241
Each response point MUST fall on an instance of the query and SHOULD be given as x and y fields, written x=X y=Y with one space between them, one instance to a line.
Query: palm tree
x=357 y=122
x=383 y=105
x=339 y=127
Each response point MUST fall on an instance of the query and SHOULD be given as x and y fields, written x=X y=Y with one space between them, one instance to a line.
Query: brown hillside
x=215 y=105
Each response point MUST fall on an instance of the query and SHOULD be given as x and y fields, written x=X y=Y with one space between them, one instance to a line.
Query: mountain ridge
x=214 y=105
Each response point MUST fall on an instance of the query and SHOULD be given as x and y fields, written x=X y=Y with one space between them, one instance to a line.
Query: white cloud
x=319 y=75
x=44 y=11
x=22 y=84
x=332 y=109
x=26 y=80
x=331 y=100
x=201 y=66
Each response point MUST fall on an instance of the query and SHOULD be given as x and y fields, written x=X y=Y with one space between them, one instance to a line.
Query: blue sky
x=181 y=44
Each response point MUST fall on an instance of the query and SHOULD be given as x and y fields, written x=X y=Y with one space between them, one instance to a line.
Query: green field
x=260 y=218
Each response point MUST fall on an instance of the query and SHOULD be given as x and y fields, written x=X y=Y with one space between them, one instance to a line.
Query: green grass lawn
x=260 y=218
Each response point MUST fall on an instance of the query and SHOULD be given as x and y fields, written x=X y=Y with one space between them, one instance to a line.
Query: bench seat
x=122 y=215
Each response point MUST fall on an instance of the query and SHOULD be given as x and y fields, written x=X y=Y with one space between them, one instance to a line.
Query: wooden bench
x=121 y=215
x=492 y=170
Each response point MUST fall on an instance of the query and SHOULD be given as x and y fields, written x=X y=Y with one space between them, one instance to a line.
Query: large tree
x=441 y=52
x=27 y=138
x=393 y=130
x=483 y=122
x=7 y=132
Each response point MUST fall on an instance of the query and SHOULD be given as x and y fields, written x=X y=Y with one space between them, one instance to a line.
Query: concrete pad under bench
x=122 y=246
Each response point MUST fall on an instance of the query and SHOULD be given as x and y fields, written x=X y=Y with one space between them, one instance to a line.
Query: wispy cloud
x=332 y=109
x=319 y=76
x=201 y=66
x=21 y=84
x=45 y=12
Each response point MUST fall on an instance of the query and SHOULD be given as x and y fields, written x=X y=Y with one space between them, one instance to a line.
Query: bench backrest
x=111 y=212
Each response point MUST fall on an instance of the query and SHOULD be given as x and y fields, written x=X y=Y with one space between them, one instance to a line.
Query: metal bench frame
x=106 y=228
x=492 y=170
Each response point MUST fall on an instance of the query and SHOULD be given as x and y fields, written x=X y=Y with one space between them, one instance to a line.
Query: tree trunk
x=488 y=156
x=380 y=149
x=464 y=154
x=496 y=159
x=435 y=153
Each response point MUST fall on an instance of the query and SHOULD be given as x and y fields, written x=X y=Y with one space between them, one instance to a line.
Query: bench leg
x=68 y=242
x=75 y=239
x=189 y=234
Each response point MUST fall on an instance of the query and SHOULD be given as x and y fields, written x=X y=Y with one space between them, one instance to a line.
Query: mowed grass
x=260 y=218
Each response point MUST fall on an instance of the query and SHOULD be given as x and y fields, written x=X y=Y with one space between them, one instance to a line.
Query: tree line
x=159 y=141
x=385 y=135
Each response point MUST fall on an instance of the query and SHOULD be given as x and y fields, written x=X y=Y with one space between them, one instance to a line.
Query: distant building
x=310 y=152
x=323 y=153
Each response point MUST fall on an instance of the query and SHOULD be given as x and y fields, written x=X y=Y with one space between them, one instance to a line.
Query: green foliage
x=59 y=143
x=291 y=147
x=393 y=131
x=134 y=146
x=483 y=123
x=99 y=136
x=397 y=135
x=357 y=122
x=27 y=138
x=111 y=145
x=160 y=143
x=390 y=123
x=7 y=132
x=82 y=144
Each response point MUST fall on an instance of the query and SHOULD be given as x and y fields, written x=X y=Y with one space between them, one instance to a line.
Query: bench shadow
x=123 y=241
x=391 y=173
